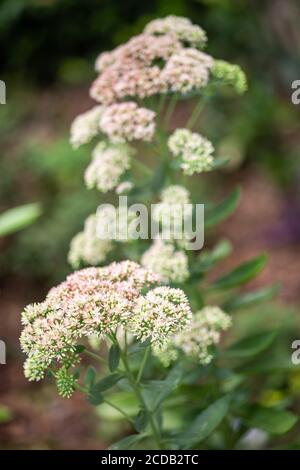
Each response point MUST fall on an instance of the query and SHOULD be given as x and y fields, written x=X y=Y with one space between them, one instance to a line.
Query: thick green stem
x=140 y=397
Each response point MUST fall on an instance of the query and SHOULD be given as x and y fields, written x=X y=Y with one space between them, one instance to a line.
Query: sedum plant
x=144 y=311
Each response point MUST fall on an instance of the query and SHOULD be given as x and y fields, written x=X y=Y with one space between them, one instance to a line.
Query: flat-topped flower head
x=126 y=122
x=85 y=126
x=160 y=314
x=180 y=27
x=143 y=48
x=86 y=247
x=90 y=302
x=133 y=69
x=194 y=150
x=109 y=163
x=170 y=264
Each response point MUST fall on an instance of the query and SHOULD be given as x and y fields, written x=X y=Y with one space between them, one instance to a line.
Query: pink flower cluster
x=153 y=62
x=131 y=69
x=92 y=301
x=126 y=122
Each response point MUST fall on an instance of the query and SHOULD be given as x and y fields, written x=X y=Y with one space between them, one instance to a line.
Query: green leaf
x=271 y=420
x=156 y=391
x=90 y=377
x=251 y=345
x=208 y=258
x=251 y=298
x=95 y=397
x=18 y=218
x=220 y=163
x=203 y=425
x=241 y=274
x=222 y=210
x=127 y=442
x=141 y=421
x=113 y=357
x=159 y=177
x=79 y=349
x=107 y=382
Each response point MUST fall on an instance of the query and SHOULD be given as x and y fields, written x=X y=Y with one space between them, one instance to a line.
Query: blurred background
x=48 y=48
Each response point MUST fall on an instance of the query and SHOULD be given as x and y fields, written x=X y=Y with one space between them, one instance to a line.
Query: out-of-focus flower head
x=175 y=194
x=187 y=70
x=109 y=163
x=180 y=27
x=163 y=259
x=230 y=74
x=118 y=224
x=199 y=338
x=87 y=248
x=194 y=150
x=85 y=126
x=133 y=69
x=174 y=214
x=126 y=122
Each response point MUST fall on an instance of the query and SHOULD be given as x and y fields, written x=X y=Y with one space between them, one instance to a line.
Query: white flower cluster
x=180 y=27
x=162 y=312
x=163 y=259
x=109 y=163
x=95 y=302
x=194 y=150
x=175 y=194
x=199 y=338
x=85 y=126
x=86 y=247
x=126 y=121
x=116 y=224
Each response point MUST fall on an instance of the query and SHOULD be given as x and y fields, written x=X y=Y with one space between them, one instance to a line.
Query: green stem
x=170 y=110
x=136 y=389
x=140 y=397
x=142 y=167
x=95 y=356
x=85 y=390
x=143 y=363
x=195 y=114
x=116 y=407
